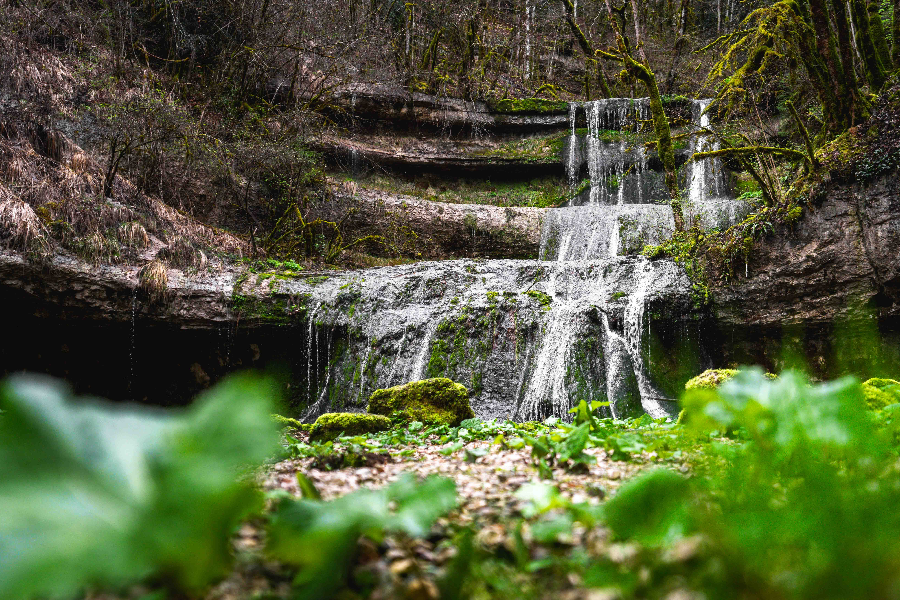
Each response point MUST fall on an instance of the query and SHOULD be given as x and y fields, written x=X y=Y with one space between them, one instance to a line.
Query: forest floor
x=503 y=499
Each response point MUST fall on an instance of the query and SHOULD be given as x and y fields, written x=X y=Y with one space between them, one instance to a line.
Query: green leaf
x=575 y=442
x=307 y=487
x=101 y=494
x=651 y=509
x=538 y=498
x=320 y=537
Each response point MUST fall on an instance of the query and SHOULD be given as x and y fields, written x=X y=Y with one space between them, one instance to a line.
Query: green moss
x=713 y=378
x=331 y=425
x=289 y=422
x=710 y=380
x=541 y=298
x=269 y=310
x=618 y=296
x=432 y=401
x=880 y=393
x=529 y=105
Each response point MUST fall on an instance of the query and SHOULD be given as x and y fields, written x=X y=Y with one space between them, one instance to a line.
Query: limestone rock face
x=844 y=252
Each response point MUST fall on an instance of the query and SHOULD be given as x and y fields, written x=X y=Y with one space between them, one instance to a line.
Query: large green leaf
x=652 y=509
x=320 y=537
x=96 y=494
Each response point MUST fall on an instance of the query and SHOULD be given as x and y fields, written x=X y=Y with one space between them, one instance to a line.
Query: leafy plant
x=804 y=508
x=93 y=494
x=320 y=537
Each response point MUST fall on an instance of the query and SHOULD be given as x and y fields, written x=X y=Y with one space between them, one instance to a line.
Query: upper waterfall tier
x=624 y=203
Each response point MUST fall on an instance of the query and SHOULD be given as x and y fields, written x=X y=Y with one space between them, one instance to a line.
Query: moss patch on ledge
x=431 y=401
x=710 y=379
x=262 y=309
x=529 y=106
x=331 y=425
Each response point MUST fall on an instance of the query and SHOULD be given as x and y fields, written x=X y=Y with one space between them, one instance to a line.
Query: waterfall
x=572 y=158
x=532 y=338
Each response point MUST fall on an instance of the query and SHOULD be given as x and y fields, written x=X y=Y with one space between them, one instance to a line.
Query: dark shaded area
x=147 y=360
x=860 y=347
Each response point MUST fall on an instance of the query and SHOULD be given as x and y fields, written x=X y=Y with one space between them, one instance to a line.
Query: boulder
x=433 y=401
x=331 y=425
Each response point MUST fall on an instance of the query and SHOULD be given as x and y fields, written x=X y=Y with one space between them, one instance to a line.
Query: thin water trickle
x=418 y=367
x=131 y=357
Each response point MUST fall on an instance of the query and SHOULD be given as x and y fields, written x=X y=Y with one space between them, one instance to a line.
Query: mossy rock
x=331 y=425
x=880 y=393
x=710 y=379
x=713 y=378
x=432 y=401
x=284 y=422
x=530 y=105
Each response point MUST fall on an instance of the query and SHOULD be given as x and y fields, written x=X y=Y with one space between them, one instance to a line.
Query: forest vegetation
x=193 y=137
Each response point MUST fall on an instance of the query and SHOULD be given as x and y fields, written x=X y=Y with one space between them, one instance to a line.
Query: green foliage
x=321 y=537
x=431 y=401
x=93 y=494
x=881 y=393
x=331 y=425
x=804 y=508
x=651 y=509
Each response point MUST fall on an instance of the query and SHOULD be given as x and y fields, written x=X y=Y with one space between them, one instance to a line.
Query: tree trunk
x=827 y=51
x=845 y=44
x=876 y=28
x=638 y=36
x=873 y=66
x=895 y=29
x=588 y=51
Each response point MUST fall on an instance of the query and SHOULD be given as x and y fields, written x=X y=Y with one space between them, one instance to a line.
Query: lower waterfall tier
x=530 y=339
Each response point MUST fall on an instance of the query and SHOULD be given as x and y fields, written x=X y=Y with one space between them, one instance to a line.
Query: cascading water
x=531 y=339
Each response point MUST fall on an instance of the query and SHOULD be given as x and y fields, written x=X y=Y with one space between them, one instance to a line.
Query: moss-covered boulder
x=287 y=422
x=880 y=393
x=331 y=425
x=432 y=401
x=710 y=379
x=713 y=378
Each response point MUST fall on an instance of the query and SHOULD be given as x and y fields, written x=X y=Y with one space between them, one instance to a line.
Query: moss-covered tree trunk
x=587 y=49
x=641 y=71
x=895 y=30
x=876 y=30
x=874 y=67
x=845 y=47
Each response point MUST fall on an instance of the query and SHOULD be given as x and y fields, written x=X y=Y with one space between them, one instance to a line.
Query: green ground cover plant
x=765 y=488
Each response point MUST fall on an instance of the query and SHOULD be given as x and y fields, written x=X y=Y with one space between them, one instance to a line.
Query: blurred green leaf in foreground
x=805 y=507
x=321 y=537
x=94 y=494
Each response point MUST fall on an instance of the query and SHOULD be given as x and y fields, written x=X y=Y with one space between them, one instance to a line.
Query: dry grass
x=182 y=254
x=133 y=235
x=20 y=228
x=153 y=279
